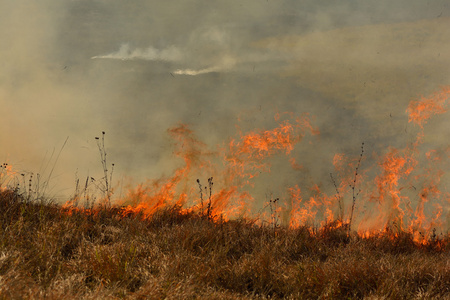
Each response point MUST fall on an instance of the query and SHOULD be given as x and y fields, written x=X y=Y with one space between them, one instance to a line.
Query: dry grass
x=46 y=253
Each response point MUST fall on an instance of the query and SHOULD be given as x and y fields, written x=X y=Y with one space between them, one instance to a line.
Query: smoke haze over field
x=135 y=69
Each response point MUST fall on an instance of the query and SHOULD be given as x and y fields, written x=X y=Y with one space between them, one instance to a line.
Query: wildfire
x=420 y=111
x=375 y=201
x=7 y=175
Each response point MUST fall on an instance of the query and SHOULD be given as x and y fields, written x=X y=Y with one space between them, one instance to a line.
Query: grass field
x=50 y=252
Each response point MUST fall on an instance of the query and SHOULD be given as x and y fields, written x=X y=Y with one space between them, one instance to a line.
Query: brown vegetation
x=46 y=252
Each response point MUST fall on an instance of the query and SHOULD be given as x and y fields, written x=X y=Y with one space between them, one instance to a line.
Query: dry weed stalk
x=107 y=177
x=209 y=205
x=339 y=198
x=353 y=185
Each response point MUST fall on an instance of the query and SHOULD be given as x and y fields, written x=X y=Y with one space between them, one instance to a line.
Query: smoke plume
x=77 y=68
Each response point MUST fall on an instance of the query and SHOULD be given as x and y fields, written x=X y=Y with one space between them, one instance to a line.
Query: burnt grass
x=46 y=252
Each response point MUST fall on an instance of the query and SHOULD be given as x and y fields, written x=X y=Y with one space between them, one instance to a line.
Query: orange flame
x=7 y=177
x=384 y=201
x=420 y=111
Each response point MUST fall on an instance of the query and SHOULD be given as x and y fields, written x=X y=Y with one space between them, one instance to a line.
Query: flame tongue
x=243 y=160
x=7 y=176
x=394 y=167
x=399 y=165
x=388 y=200
x=421 y=110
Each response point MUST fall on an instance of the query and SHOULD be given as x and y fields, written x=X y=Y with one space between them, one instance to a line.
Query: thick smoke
x=76 y=68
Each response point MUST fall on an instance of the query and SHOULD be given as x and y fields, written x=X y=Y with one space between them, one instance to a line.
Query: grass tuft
x=47 y=251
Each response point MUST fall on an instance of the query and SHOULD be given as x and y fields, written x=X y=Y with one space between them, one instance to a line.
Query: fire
x=243 y=159
x=372 y=199
x=420 y=111
x=397 y=165
x=7 y=176
x=253 y=148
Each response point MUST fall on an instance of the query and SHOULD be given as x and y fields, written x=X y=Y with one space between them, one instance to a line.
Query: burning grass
x=377 y=236
x=46 y=252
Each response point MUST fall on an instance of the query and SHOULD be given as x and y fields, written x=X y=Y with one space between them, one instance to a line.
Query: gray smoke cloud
x=77 y=68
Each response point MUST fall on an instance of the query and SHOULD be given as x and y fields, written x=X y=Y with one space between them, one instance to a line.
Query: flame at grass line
x=392 y=206
x=384 y=194
x=8 y=177
x=242 y=160
x=26 y=184
x=399 y=164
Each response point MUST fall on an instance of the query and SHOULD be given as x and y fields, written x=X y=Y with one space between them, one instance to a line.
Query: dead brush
x=355 y=192
x=105 y=183
x=208 y=192
x=177 y=253
x=186 y=254
x=30 y=185
x=353 y=185
x=90 y=190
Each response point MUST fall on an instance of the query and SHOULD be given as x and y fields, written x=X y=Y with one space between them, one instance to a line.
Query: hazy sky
x=136 y=68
